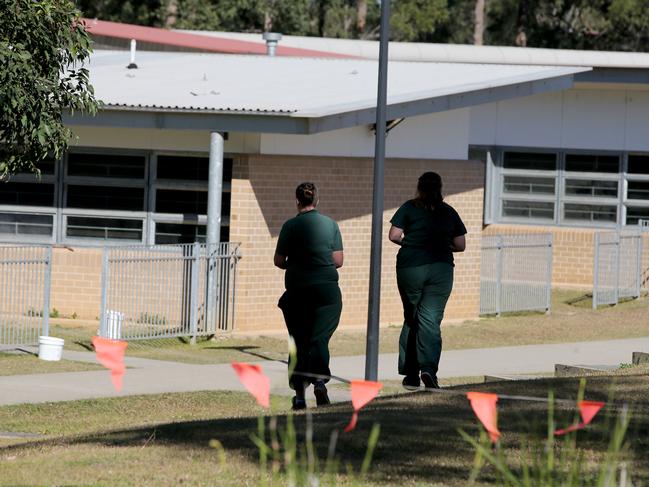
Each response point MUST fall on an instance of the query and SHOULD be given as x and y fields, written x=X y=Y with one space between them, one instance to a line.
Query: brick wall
x=263 y=198
x=76 y=282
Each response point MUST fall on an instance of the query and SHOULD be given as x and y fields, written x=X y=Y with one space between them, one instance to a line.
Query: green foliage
x=553 y=462
x=54 y=313
x=417 y=20
x=283 y=456
x=43 y=46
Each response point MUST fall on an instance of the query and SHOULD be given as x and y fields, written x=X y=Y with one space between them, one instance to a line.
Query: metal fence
x=617 y=269
x=168 y=291
x=24 y=294
x=515 y=273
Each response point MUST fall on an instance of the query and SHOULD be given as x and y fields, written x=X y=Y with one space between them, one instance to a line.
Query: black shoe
x=320 y=392
x=298 y=404
x=411 y=382
x=429 y=380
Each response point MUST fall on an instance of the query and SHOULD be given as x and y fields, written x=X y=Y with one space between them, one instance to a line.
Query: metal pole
x=46 y=291
x=374 y=299
x=596 y=272
x=214 y=195
x=499 y=274
x=104 y=295
x=549 y=276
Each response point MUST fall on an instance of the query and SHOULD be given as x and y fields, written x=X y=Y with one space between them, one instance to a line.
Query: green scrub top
x=428 y=234
x=308 y=241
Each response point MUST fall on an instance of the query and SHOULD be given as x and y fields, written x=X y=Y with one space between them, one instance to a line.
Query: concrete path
x=153 y=376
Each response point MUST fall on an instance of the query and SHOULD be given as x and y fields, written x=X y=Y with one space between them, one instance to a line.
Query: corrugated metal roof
x=304 y=87
x=189 y=40
x=459 y=53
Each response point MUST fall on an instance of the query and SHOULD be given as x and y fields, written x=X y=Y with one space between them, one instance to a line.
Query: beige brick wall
x=76 y=282
x=263 y=198
x=573 y=252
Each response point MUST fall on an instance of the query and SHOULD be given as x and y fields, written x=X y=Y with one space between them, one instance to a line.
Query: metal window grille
x=516 y=273
x=165 y=291
x=24 y=294
x=617 y=269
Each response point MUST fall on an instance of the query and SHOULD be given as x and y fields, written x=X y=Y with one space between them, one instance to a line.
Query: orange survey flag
x=255 y=381
x=110 y=354
x=587 y=410
x=363 y=391
x=484 y=406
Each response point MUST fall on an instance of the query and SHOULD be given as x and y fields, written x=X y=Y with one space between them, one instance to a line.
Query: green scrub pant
x=312 y=314
x=424 y=292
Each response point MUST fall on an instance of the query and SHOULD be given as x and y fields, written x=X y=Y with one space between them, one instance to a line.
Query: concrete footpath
x=145 y=376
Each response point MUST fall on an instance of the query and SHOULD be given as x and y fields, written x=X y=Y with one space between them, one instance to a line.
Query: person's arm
x=459 y=244
x=396 y=235
x=279 y=261
x=339 y=258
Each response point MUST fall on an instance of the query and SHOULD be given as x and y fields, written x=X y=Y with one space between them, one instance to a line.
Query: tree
x=43 y=46
x=417 y=20
x=478 y=31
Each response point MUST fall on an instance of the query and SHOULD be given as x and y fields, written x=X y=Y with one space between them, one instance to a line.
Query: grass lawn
x=571 y=320
x=23 y=363
x=164 y=439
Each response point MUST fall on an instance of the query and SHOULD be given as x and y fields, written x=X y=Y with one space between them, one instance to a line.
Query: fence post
x=104 y=294
x=617 y=267
x=596 y=271
x=499 y=274
x=549 y=264
x=46 y=291
x=193 y=293
x=638 y=264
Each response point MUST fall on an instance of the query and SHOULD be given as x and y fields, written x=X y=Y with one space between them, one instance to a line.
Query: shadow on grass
x=419 y=438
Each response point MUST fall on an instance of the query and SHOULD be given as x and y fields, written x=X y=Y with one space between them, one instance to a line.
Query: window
x=26 y=194
x=592 y=163
x=528 y=209
x=106 y=166
x=180 y=193
x=22 y=224
x=104 y=228
x=589 y=213
x=600 y=189
x=105 y=196
x=117 y=196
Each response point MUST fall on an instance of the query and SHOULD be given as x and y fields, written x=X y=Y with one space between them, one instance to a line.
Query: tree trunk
x=171 y=15
x=361 y=16
x=521 y=24
x=478 y=30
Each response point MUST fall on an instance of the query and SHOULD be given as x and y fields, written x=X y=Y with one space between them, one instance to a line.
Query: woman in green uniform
x=310 y=249
x=428 y=231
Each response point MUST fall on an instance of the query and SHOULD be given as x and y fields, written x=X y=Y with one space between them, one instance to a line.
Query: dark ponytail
x=307 y=194
x=429 y=191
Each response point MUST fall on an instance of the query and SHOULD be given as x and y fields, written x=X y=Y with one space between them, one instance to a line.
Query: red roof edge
x=194 y=41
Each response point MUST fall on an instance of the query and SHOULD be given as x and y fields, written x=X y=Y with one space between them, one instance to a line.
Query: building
x=526 y=140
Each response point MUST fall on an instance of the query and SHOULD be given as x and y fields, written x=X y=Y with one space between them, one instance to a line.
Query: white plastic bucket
x=50 y=348
x=114 y=321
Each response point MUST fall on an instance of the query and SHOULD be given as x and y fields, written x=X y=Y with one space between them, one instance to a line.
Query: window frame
x=495 y=193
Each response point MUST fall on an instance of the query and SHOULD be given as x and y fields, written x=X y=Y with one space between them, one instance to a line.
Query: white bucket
x=50 y=348
x=114 y=321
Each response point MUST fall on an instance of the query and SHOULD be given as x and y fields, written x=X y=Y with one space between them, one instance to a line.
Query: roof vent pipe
x=132 y=64
x=271 y=38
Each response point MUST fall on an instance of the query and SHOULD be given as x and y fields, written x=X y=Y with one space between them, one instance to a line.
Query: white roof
x=460 y=53
x=296 y=87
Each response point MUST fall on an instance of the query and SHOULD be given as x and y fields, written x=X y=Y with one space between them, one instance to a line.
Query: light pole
x=374 y=301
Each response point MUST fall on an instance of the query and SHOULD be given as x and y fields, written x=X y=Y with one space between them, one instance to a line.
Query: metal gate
x=165 y=291
x=24 y=294
x=515 y=273
x=617 y=267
